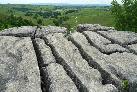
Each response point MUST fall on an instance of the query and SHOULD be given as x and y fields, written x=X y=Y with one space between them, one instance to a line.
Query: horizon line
x=59 y=3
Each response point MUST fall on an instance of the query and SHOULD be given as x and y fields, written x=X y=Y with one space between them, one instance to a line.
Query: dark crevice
x=112 y=52
x=38 y=53
x=92 y=44
x=134 y=42
x=17 y=35
x=132 y=51
x=44 y=84
x=35 y=33
x=116 y=83
x=116 y=42
x=45 y=80
x=112 y=41
x=107 y=79
x=32 y=34
x=21 y=35
x=97 y=47
x=67 y=68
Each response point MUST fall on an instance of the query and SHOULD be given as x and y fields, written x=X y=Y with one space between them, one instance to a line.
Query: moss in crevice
x=125 y=85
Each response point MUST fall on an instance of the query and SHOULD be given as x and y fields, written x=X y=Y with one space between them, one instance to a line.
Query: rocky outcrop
x=49 y=30
x=103 y=44
x=93 y=27
x=19 y=71
x=24 y=31
x=58 y=79
x=93 y=59
x=88 y=78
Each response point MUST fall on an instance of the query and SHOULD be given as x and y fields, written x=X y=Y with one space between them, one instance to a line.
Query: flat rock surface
x=125 y=66
x=45 y=59
x=120 y=37
x=23 y=31
x=44 y=30
x=19 y=71
x=120 y=65
x=103 y=44
x=93 y=56
x=32 y=31
x=133 y=48
x=89 y=77
x=45 y=52
x=59 y=80
x=93 y=27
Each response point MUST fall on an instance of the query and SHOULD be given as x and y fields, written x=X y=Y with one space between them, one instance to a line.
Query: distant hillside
x=65 y=4
x=66 y=15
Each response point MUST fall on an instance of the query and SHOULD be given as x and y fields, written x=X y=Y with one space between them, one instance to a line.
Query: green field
x=67 y=16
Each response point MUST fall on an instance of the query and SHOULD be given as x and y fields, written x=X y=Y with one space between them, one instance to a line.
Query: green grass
x=91 y=15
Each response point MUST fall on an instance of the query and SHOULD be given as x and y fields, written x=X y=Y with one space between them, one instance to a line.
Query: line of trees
x=61 y=21
x=44 y=14
x=13 y=21
x=125 y=15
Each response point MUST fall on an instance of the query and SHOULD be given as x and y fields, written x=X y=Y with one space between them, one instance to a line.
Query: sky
x=58 y=1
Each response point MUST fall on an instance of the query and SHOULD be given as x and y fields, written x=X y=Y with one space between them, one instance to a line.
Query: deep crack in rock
x=70 y=73
x=98 y=60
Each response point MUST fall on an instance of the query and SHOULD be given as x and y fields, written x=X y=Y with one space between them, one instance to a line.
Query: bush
x=125 y=14
x=40 y=22
x=13 y=21
x=125 y=85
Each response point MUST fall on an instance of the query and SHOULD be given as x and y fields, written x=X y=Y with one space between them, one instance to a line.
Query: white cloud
x=58 y=1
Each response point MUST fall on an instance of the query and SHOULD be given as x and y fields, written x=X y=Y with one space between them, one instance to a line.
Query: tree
x=39 y=21
x=125 y=14
x=13 y=21
x=60 y=20
x=55 y=21
x=35 y=16
x=67 y=25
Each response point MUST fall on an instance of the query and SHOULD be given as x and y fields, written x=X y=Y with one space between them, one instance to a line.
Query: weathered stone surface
x=24 y=31
x=58 y=79
x=50 y=29
x=133 y=48
x=103 y=44
x=93 y=27
x=125 y=66
x=120 y=37
x=19 y=71
x=45 y=52
x=119 y=65
x=88 y=78
x=90 y=62
x=94 y=57
x=29 y=31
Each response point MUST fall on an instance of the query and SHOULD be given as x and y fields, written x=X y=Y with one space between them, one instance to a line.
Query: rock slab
x=19 y=71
